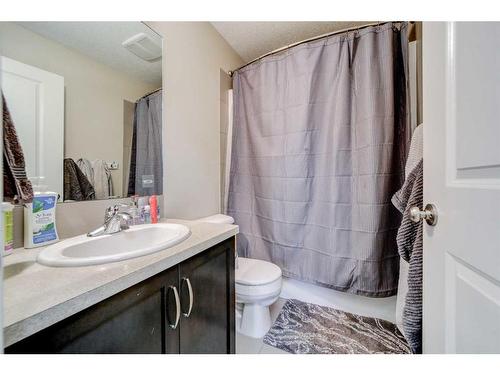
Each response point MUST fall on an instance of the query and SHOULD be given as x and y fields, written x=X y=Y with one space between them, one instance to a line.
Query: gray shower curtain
x=146 y=171
x=320 y=138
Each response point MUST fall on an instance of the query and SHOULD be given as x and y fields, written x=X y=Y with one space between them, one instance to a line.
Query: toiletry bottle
x=147 y=214
x=134 y=211
x=153 y=203
x=141 y=203
x=8 y=228
x=40 y=217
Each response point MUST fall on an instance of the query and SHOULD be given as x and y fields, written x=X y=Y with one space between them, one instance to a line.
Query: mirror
x=85 y=99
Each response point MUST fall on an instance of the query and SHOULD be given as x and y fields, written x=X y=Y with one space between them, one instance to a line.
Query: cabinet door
x=128 y=322
x=171 y=310
x=207 y=300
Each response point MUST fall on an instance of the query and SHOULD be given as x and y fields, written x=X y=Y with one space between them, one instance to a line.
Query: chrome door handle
x=191 y=297
x=429 y=214
x=177 y=308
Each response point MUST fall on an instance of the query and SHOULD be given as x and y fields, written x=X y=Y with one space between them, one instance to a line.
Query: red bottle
x=153 y=203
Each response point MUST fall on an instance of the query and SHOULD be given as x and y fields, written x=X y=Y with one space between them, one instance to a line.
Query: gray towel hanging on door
x=410 y=248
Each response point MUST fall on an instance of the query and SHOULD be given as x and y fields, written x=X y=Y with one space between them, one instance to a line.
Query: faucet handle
x=123 y=207
x=110 y=212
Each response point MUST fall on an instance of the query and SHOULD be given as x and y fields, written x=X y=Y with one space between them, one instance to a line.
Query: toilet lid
x=256 y=272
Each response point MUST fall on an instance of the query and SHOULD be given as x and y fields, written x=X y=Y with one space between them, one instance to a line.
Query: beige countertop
x=36 y=296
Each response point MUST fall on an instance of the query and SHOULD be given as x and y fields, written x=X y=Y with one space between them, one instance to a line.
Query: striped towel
x=16 y=185
x=409 y=240
x=86 y=167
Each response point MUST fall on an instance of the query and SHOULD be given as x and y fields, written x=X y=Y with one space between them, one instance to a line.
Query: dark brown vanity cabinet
x=207 y=324
x=188 y=308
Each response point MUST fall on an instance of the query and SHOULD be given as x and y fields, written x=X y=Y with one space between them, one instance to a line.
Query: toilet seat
x=251 y=292
x=257 y=281
x=256 y=272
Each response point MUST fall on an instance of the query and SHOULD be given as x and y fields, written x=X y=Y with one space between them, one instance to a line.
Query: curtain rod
x=149 y=93
x=231 y=72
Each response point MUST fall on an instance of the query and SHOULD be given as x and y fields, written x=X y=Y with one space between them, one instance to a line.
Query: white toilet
x=258 y=286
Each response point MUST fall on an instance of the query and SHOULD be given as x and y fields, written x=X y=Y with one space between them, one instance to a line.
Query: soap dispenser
x=134 y=211
x=40 y=216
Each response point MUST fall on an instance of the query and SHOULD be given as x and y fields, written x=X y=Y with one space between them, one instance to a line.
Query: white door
x=35 y=99
x=461 y=79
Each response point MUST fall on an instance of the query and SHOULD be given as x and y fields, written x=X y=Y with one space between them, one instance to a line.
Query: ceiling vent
x=143 y=46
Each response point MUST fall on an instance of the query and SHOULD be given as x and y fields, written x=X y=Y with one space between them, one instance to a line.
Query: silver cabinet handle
x=177 y=307
x=191 y=297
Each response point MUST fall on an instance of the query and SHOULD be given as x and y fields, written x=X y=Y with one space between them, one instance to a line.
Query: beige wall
x=194 y=53
x=226 y=83
x=94 y=94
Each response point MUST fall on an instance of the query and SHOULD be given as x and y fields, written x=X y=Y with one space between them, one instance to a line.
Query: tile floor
x=249 y=345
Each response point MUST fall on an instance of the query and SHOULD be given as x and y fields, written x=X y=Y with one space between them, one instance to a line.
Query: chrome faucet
x=114 y=221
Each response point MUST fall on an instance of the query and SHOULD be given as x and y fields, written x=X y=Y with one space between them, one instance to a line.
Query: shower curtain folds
x=146 y=170
x=320 y=136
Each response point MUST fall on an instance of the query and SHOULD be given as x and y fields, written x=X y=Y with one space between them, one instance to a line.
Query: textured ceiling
x=253 y=39
x=102 y=41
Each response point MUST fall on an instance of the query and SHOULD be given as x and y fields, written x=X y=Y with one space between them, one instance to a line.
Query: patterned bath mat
x=308 y=328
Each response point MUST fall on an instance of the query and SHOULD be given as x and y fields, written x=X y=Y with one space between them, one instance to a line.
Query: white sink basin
x=137 y=241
